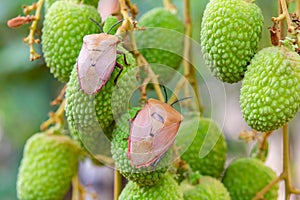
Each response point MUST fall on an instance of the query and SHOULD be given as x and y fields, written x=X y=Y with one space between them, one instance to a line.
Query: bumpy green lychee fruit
x=109 y=23
x=270 y=93
x=64 y=26
x=165 y=189
x=144 y=176
x=48 y=165
x=230 y=32
x=209 y=139
x=161 y=42
x=208 y=188
x=89 y=116
x=245 y=177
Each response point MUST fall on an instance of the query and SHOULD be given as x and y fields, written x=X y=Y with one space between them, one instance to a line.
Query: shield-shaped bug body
x=153 y=130
x=96 y=61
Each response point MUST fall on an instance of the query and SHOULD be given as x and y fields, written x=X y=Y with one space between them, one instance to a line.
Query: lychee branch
x=284 y=14
x=127 y=27
x=189 y=71
x=56 y=118
x=285 y=174
x=30 y=39
x=169 y=6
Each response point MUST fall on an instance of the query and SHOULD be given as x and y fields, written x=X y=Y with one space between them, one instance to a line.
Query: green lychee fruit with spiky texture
x=165 y=189
x=245 y=177
x=270 y=92
x=208 y=188
x=204 y=147
x=89 y=116
x=230 y=32
x=65 y=25
x=109 y=23
x=144 y=176
x=161 y=43
x=49 y=162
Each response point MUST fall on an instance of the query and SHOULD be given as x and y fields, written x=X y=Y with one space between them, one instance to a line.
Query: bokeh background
x=26 y=89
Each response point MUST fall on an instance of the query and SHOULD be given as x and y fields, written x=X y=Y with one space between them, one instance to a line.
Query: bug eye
x=158 y=117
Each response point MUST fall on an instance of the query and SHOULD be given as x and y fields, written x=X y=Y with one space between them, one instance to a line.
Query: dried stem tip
x=19 y=21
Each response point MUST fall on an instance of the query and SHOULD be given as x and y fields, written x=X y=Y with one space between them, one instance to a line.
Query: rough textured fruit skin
x=161 y=46
x=209 y=188
x=166 y=189
x=109 y=22
x=213 y=163
x=48 y=165
x=88 y=114
x=230 y=32
x=144 y=176
x=64 y=26
x=245 y=177
x=270 y=92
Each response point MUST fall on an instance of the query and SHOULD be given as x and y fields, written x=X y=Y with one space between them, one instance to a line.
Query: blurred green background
x=26 y=88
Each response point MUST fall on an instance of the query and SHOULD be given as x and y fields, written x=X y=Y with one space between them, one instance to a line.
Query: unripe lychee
x=48 y=165
x=165 y=189
x=230 y=32
x=270 y=93
x=245 y=177
x=64 y=26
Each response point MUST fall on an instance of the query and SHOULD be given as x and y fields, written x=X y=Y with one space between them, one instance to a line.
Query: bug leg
x=124 y=57
x=121 y=69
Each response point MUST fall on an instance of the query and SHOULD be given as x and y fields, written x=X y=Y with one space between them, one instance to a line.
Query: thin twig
x=117 y=184
x=60 y=97
x=284 y=14
x=55 y=118
x=261 y=194
x=30 y=39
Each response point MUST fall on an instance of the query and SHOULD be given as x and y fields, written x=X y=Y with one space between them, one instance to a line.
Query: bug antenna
x=118 y=22
x=166 y=95
x=185 y=98
x=97 y=23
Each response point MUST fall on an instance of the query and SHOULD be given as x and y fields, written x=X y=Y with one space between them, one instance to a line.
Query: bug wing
x=96 y=62
x=140 y=141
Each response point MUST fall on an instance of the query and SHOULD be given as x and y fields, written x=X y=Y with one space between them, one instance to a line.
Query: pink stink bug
x=97 y=60
x=152 y=132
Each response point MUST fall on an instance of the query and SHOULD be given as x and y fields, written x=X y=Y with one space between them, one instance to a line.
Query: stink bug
x=97 y=60
x=152 y=132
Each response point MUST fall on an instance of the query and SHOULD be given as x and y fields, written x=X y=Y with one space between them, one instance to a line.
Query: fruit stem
x=284 y=13
x=170 y=6
x=58 y=100
x=298 y=8
x=261 y=194
x=286 y=161
x=189 y=71
x=55 y=118
x=117 y=184
x=127 y=27
x=30 y=40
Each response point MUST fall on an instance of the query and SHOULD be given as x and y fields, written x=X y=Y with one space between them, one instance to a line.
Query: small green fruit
x=208 y=135
x=161 y=43
x=48 y=165
x=64 y=26
x=144 y=176
x=209 y=188
x=230 y=32
x=245 y=177
x=165 y=189
x=270 y=93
